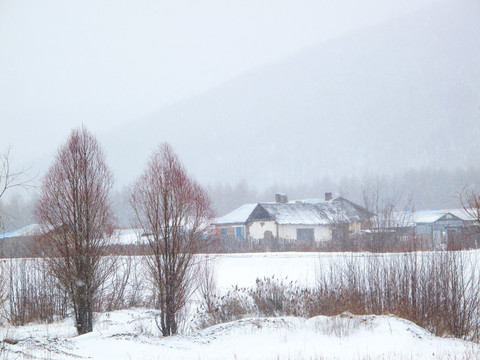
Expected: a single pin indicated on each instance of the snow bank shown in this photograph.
(132, 334)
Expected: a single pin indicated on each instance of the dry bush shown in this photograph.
(3, 282)
(235, 304)
(216, 309)
(33, 294)
(127, 286)
(112, 293)
(274, 297)
(269, 296)
(439, 291)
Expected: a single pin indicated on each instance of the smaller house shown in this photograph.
(301, 220)
(439, 227)
(234, 224)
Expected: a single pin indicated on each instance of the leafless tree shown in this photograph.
(471, 203)
(174, 211)
(390, 221)
(74, 210)
(10, 179)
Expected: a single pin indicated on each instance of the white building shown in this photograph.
(304, 220)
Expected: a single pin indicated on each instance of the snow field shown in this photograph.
(132, 333)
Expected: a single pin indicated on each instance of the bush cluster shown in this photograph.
(439, 291)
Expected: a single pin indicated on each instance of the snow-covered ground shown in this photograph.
(133, 334)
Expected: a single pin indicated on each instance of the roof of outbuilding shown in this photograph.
(409, 218)
(237, 216)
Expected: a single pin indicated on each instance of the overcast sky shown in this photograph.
(105, 63)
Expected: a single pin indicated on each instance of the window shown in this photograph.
(305, 234)
(224, 232)
(239, 232)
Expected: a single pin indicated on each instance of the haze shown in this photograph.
(270, 91)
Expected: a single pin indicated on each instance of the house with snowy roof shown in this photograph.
(440, 227)
(303, 220)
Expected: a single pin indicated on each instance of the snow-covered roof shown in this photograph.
(237, 216)
(28, 230)
(319, 212)
(430, 216)
(313, 201)
(294, 213)
(463, 214)
(304, 212)
(119, 236)
(126, 236)
(408, 218)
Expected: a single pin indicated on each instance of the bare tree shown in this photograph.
(74, 210)
(174, 211)
(471, 203)
(10, 179)
(391, 221)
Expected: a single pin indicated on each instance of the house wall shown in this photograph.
(439, 231)
(257, 229)
(355, 227)
(289, 232)
(237, 231)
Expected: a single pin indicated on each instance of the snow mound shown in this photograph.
(132, 334)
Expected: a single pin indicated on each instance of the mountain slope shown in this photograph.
(396, 96)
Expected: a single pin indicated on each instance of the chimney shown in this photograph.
(281, 198)
(328, 196)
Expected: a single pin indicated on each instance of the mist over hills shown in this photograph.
(397, 96)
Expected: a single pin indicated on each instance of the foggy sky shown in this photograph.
(106, 63)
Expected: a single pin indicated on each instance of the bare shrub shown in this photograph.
(33, 294)
(439, 291)
(235, 304)
(112, 292)
(274, 297)
(126, 286)
(3, 283)
(207, 284)
(214, 308)
(268, 296)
